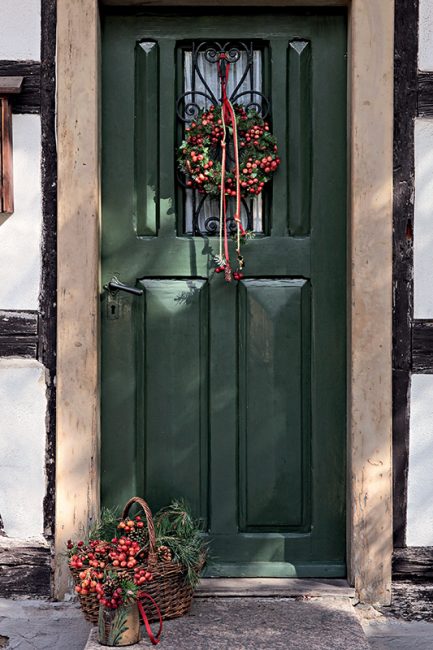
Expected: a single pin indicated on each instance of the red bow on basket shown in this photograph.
(155, 639)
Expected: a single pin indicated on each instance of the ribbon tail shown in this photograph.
(155, 639)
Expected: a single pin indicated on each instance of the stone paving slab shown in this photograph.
(259, 624)
(271, 587)
(399, 635)
(42, 625)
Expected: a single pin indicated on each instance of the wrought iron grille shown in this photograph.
(201, 90)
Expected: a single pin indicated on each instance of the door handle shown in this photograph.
(114, 285)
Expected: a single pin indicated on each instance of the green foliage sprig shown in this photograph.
(176, 529)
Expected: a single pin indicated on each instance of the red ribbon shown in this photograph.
(155, 639)
(229, 117)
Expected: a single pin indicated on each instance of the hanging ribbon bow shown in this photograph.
(228, 118)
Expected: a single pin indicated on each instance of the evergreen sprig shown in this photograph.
(106, 527)
(176, 528)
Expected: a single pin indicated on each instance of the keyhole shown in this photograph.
(113, 309)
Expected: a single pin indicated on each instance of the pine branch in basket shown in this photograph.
(177, 530)
(106, 527)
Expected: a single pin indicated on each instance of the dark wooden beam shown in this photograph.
(24, 570)
(425, 94)
(29, 99)
(413, 563)
(20, 323)
(422, 346)
(18, 334)
(48, 315)
(405, 110)
(18, 346)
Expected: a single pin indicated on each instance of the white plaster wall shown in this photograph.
(22, 446)
(423, 219)
(420, 478)
(20, 234)
(20, 29)
(425, 51)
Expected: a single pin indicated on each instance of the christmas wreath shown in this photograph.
(228, 151)
(199, 153)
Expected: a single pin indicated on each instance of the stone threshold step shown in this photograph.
(328, 623)
(273, 587)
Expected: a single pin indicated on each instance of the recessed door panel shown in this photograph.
(173, 392)
(274, 404)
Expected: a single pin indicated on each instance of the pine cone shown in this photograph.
(165, 553)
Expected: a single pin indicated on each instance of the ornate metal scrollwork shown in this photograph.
(201, 94)
(188, 104)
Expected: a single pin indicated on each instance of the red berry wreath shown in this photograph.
(199, 153)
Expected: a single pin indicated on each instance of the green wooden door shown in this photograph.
(230, 395)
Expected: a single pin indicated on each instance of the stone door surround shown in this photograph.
(369, 418)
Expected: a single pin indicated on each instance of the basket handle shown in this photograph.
(149, 521)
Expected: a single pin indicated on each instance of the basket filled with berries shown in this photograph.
(161, 556)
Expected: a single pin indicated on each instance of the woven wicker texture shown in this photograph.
(169, 586)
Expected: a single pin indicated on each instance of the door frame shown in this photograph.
(369, 282)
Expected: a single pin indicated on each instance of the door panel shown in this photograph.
(173, 381)
(274, 439)
(230, 395)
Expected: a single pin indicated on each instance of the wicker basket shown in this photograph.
(169, 586)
